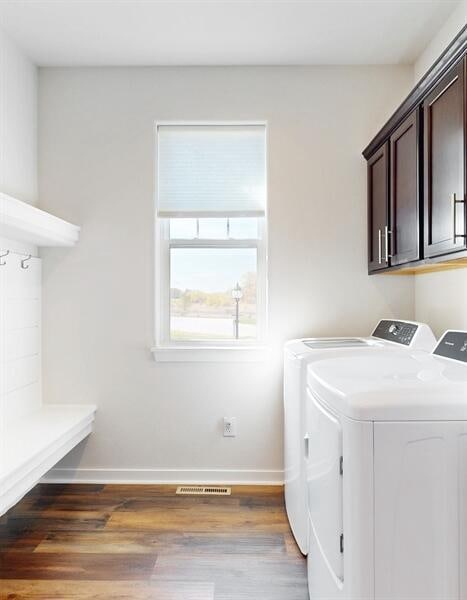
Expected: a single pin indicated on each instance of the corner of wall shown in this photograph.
(455, 22)
(18, 118)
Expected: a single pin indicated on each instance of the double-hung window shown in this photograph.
(211, 235)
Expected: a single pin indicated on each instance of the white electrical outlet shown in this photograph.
(230, 426)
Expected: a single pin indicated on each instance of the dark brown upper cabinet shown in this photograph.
(445, 164)
(404, 230)
(417, 173)
(378, 204)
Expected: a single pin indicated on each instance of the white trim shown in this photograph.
(162, 281)
(208, 214)
(205, 122)
(25, 223)
(210, 354)
(166, 476)
(220, 244)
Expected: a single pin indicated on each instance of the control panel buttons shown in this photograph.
(396, 331)
(453, 345)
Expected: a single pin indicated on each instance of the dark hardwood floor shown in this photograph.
(65, 542)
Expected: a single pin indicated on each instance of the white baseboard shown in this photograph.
(165, 476)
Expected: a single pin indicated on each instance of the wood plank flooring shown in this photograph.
(99, 542)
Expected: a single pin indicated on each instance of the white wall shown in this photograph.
(18, 123)
(441, 298)
(445, 35)
(96, 144)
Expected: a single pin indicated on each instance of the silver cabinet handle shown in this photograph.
(306, 439)
(387, 233)
(455, 202)
(379, 246)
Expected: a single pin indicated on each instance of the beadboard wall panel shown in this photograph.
(20, 332)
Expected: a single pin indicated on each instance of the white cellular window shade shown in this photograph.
(211, 170)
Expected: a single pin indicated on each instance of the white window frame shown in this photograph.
(166, 349)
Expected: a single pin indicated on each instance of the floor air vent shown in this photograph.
(196, 490)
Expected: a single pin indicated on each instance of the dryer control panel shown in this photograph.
(400, 332)
(453, 345)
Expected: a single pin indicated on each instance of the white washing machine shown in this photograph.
(387, 474)
(298, 354)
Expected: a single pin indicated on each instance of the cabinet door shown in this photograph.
(378, 195)
(404, 232)
(444, 165)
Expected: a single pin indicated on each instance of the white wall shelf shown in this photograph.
(35, 443)
(23, 222)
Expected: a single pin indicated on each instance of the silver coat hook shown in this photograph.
(3, 262)
(24, 261)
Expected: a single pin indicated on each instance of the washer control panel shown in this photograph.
(400, 332)
(453, 345)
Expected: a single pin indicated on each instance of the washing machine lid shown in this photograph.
(388, 332)
(332, 343)
(393, 386)
(313, 347)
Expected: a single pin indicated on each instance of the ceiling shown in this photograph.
(222, 32)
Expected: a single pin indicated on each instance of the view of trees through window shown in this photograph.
(213, 294)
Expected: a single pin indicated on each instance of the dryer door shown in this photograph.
(324, 482)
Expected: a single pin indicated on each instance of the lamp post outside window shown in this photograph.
(237, 296)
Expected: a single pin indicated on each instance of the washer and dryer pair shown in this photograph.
(298, 354)
(383, 462)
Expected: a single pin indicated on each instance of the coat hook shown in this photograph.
(3, 262)
(24, 261)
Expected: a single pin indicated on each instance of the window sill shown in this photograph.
(210, 353)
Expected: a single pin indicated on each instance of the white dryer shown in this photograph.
(298, 354)
(387, 474)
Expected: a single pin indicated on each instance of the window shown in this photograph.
(211, 236)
